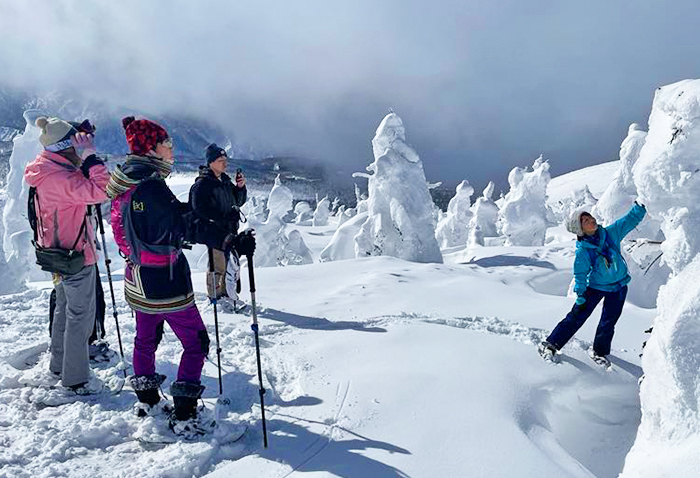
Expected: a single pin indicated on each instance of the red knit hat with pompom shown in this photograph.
(143, 135)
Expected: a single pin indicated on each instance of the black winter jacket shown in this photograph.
(159, 218)
(217, 200)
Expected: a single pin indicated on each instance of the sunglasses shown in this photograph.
(168, 143)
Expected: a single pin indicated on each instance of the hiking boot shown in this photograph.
(185, 396)
(146, 389)
(239, 306)
(100, 352)
(548, 351)
(601, 360)
(92, 387)
(227, 305)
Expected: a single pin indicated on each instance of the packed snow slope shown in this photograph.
(374, 367)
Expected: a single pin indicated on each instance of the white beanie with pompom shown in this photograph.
(55, 133)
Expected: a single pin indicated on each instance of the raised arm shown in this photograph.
(628, 222)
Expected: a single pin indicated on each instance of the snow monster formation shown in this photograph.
(484, 219)
(400, 220)
(275, 245)
(667, 180)
(522, 219)
(17, 235)
(452, 229)
(622, 191)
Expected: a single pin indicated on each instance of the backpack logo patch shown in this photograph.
(138, 206)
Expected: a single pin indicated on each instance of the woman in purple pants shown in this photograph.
(150, 226)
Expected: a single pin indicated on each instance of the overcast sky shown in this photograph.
(482, 85)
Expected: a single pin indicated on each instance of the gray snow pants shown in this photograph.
(72, 324)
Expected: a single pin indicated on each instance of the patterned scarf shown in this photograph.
(120, 182)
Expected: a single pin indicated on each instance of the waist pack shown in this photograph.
(61, 261)
(53, 259)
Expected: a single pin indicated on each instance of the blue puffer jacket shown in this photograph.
(599, 263)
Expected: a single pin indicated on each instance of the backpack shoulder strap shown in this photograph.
(31, 211)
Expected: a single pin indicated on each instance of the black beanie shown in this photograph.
(214, 152)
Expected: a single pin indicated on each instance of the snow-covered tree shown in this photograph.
(340, 216)
(667, 180)
(254, 209)
(5, 272)
(322, 212)
(17, 235)
(303, 213)
(580, 198)
(272, 242)
(621, 192)
(296, 251)
(335, 205)
(484, 218)
(400, 208)
(522, 219)
(361, 199)
(342, 244)
(452, 230)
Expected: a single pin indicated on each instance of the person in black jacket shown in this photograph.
(216, 199)
(151, 227)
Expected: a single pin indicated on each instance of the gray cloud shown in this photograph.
(482, 86)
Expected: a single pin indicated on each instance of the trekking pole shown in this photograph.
(213, 299)
(108, 261)
(257, 343)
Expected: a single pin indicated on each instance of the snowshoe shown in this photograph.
(548, 352)
(239, 306)
(227, 305)
(601, 360)
(101, 353)
(154, 431)
(57, 395)
(162, 408)
(191, 428)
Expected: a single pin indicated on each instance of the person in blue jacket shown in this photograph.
(600, 273)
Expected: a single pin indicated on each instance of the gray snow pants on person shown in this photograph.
(72, 324)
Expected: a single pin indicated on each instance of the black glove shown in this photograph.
(89, 162)
(245, 243)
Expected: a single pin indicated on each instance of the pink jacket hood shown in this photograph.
(63, 194)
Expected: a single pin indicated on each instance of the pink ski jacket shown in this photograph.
(63, 194)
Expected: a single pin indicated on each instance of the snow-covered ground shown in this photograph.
(375, 367)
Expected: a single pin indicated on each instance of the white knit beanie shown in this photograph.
(55, 133)
(573, 225)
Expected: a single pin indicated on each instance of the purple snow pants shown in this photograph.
(189, 328)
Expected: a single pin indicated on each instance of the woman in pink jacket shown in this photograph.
(69, 177)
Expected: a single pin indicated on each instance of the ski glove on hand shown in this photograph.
(89, 162)
(84, 147)
(245, 243)
(580, 300)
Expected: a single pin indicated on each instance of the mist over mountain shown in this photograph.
(191, 135)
